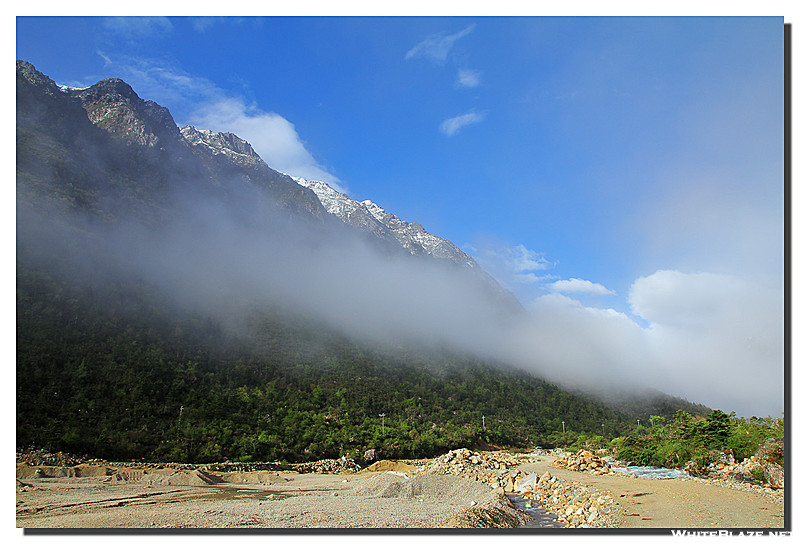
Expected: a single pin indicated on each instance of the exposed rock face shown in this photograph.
(26, 71)
(108, 153)
(113, 105)
(764, 467)
(370, 217)
(223, 143)
(351, 212)
(416, 239)
(771, 451)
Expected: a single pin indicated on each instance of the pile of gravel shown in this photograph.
(475, 504)
(446, 488)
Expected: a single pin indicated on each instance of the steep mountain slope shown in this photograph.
(145, 163)
(160, 268)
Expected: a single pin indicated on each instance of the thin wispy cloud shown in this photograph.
(132, 28)
(106, 59)
(524, 260)
(512, 265)
(579, 286)
(437, 47)
(453, 125)
(202, 24)
(468, 78)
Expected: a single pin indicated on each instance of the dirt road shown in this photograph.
(659, 504)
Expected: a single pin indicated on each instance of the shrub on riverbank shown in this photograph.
(685, 439)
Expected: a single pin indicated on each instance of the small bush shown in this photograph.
(638, 450)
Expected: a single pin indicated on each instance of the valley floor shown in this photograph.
(289, 500)
(131, 498)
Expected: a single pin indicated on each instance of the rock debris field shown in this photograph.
(460, 489)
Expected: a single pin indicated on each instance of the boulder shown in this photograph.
(771, 451)
(527, 483)
(770, 457)
(370, 456)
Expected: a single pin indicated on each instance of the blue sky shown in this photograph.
(623, 167)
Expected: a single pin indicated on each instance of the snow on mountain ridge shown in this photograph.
(411, 235)
(222, 143)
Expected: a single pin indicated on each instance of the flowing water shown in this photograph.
(652, 472)
(539, 517)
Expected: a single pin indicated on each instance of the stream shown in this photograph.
(539, 517)
(652, 472)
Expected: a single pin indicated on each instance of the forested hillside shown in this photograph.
(158, 318)
(116, 375)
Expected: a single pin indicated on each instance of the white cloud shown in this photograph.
(712, 338)
(437, 47)
(273, 137)
(718, 337)
(468, 78)
(592, 349)
(454, 125)
(575, 285)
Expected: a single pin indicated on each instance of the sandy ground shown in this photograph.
(667, 504)
(166, 499)
(101, 497)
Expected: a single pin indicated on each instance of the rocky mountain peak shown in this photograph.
(113, 105)
(223, 143)
(110, 90)
(28, 73)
